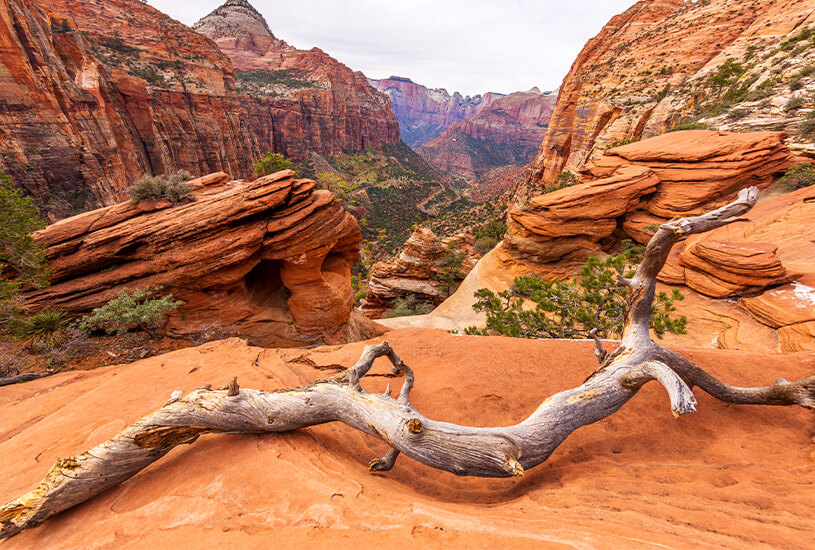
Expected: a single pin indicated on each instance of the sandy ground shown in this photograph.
(726, 476)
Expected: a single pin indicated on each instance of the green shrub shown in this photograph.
(799, 176)
(689, 125)
(451, 268)
(572, 309)
(173, 188)
(807, 127)
(46, 329)
(489, 235)
(22, 259)
(738, 114)
(407, 306)
(794, 104)
(271, 163)
(131, 309)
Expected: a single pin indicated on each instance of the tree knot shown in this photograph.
(415, 426)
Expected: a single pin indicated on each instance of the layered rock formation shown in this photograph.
(424, 113)
(506, 132)
(633, 188)
(649, 69)
(304, 99)
(95, 93)
(622, 482)
(272, 257)
(416, 271)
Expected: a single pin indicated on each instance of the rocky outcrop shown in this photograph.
(747, 470)
(272, 257)
(648, 70)
(304, 99)
(633, 188)
(424, 113)
(416, 271)
(95, 93)
(766, 262)
(508, 131)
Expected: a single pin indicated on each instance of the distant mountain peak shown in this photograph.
(238, 19)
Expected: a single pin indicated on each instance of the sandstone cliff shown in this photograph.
(95, 93)
(272, 257)
(727, 64)
(507, 132)
(424, 113)
(305, 99)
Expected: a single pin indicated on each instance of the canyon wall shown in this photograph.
(508, 131)
(93, 94)
(650, 69)
(425, 113)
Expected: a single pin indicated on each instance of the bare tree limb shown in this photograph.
(462, 450)
(22, 378)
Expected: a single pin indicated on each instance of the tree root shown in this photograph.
(462, 450)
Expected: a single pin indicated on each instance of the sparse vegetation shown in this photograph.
(535, 308)
(794, 104)
(170, 187)
(271, 163)
(22, 259)
(407, 306)
(131, 309)
(46, 329)
(451, 272)
(807, 127)
(689, 125)
(799, 176)
(489, 235)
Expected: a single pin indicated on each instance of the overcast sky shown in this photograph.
(470, 46)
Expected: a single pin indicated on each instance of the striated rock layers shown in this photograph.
(304, 100)
(637, 186)
(506, 132)
(272, 257)
(95, 93)
(416, 271)
(648, 70)
(424, 113)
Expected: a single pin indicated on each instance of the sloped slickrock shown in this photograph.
(415, 271)
(272, 257)
(724, 477)
(646, 71)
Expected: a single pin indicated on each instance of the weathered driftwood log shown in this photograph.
(20, 378)
(494, 452)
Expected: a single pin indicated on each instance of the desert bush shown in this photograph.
(131, 309)
(22, 259)
(738, 114)
(172, 187)
(407, 306)
(201, 333)
(45, 329)
(794, 104)
(799, 176)
(451, 264)
(534, 308)
(489, 235)
(271, 163)
(689, 125)
(807, 127)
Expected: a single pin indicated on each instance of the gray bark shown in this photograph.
(489, 452)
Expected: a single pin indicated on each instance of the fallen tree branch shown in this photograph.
(27, 377)
(462, 450)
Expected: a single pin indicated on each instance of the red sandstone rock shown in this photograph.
(614, 484)
(272, 257)
(506, 132)
(415, 271)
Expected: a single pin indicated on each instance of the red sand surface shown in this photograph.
(726, 476)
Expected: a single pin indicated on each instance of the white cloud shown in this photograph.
(471, 46)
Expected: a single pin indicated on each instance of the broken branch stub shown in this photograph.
(463, 450)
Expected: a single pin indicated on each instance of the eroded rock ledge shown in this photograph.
(271, 256)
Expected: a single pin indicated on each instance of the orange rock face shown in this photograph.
(93, 94)
(415, 271)
(508, 131)
(620, 483)
(645, 72)
(272, 257)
